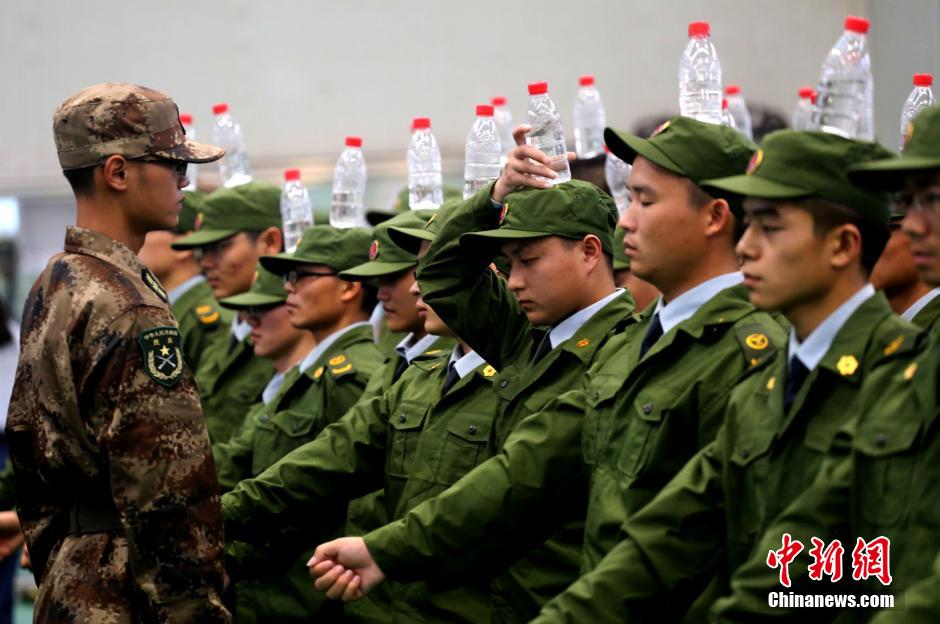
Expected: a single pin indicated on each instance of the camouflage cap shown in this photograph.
(193, 202)
(401, 204)
(254, 206)
(792, 165)
(115, 118)
(339, 249)
(689, 148)
(921, 153)
(267, 289)
(385, 256)
(571, 210)
(621, 259)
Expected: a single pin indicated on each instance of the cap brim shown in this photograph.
(889, 174)
(201, 238)
(192, 151)
(281, 263)
(493, 239)
(248, 299)
(409, 239)
(375, 217)
(376, 269)
(755, 186)
(627, 147)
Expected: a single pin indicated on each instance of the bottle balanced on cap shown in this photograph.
(483, 152)
(548, 133)
(503, 117)
(296, 209)
(700, 76)
(844, 103)
(425, 186)
(589, 120)
(919, 99)
(227, 134)
(349, 186)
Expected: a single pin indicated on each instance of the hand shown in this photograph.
(344, 569)
(11, 537)
(25, 563)
(525, 166)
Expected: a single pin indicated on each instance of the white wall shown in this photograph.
(300, 75)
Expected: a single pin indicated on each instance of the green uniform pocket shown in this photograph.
(404, 432)
(649, 410)
(885, 461)
(468, 435)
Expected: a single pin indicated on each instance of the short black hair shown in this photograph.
(81, 180)
(370, 297)
(698, 197)
(828, 215)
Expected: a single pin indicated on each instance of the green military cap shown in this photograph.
(386, 257)
(621, 259)
(792, 165)
(254, 206)
(409, 238)
(193, 202)
(339, 249)
(921, 153)
(693, 149)
(401, 204)
(571, 210)
(267, 289)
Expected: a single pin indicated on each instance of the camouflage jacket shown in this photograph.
(109, 449)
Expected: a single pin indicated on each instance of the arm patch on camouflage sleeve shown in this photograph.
(162, 355)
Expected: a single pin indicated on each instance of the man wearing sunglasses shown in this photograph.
(328, 381)
(116, 488)
(235, 228)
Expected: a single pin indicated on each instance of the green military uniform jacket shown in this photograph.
(202, 321)
(307, 402)
(230, 381)
(886, 487)
(411, 441)
(929, 316)
(453, 281)
(708, 519)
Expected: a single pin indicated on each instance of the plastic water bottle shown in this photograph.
(547, 133)
(349, 186)
(296, 210)
(726, 118)
(738, 110)
(187, 120)
(226, 133)
(844, 103)
(503, 118)
(425, 187)
(617, 173)
(700, 76)
(919, 99)
(589, 120)
(803, 111)
(481, 158)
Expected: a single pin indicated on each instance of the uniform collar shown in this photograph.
(410, 349)
(812, 350)
(271, 390)
(240, 329)
(568, 327)
(688, 303)
(920, 304)
(327, 342)
(175, 294)
(465, 363)
(91, 243)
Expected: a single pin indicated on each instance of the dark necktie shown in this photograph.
(798, 374)
(402, 365)
(544, 347)
(234, 344)
(653, 333)
(452, 377)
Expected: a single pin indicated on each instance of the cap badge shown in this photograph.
(198, 223)
(374, 250)
(503, 213)
(583, 343)
(755, 162)
(758, 342)
(660, 128)
(489, 371)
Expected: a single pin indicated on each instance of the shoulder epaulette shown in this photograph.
(340, 366)
(755, 343)
(207, 315)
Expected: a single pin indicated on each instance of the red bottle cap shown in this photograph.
(220, 108)
(186, 119)
(499, 100)
(484, 110)
(586, 80)
(421, 123)
(291, 175)
(732, 89)
(699, 29)
(806, 92)
(353, 141)
(856, 24)
(724, 104)
(538, 88)
(923, 80)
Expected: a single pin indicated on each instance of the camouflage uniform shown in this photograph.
(109, 450)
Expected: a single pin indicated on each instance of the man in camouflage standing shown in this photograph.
(117, 492)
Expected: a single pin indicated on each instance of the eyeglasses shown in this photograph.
(260, 311)
(295, 275)
(918, 202)
(177, 166)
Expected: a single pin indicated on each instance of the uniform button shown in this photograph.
(472, 429)
(264, 418)
(503, 383)
(880, 440)
(745, 453)
(296, 427)
(597, 394)
(648, 409)
(402, 418)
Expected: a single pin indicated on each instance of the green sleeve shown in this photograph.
(345, 461)
(233, 457)
(672, 549)
(501, 509)
(476, 304)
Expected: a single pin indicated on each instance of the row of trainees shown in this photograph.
(566, 433)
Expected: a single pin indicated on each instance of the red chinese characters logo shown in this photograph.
(869, 559)
(872, 559)
(784, 557)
